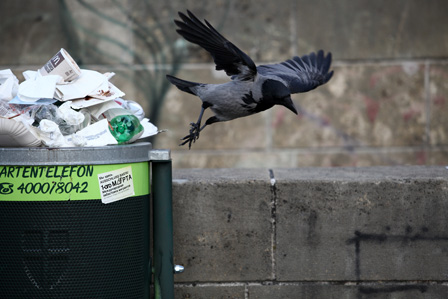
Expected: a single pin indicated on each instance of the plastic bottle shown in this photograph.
(123, 125)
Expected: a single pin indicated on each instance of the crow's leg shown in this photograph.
(196, 129)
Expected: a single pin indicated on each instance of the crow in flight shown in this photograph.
(252, 88)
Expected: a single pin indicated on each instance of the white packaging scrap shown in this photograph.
(61, 105)
(9, 85)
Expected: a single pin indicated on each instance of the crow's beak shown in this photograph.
(288, 103)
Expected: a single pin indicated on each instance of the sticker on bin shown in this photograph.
(116, 185)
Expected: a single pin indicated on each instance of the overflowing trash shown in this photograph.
(61, 105)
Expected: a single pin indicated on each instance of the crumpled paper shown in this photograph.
(50, 134)
(88, 84)
(71, 116)
(37, 87)
(9, 84)
(45, 109)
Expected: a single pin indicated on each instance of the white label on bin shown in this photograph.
(115, 185)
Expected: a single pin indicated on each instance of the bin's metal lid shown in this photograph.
(113, 154)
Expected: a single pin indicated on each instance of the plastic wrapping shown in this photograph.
(68, 120)
(132, 106)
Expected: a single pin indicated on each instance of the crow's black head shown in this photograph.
(277, 93)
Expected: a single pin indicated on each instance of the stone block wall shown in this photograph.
(386, 104)
(376, 232)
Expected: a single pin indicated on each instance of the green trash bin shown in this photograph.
(75, 222)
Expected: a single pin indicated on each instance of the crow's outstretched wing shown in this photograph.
(301, 74)
(226, 55)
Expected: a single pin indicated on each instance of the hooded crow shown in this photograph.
(252, 89)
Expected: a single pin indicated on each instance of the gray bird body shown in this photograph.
(217, 95)
(252, 89)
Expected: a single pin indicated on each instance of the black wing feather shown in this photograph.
(301, 74)
(226, 55)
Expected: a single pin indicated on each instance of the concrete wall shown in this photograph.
(349, 233)
(386, 104)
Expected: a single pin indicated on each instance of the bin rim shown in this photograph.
(42, 156)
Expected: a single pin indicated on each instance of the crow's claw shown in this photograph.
(193, 136)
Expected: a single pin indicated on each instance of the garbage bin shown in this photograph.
(75, 222)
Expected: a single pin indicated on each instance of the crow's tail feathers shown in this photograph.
(183, 84)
